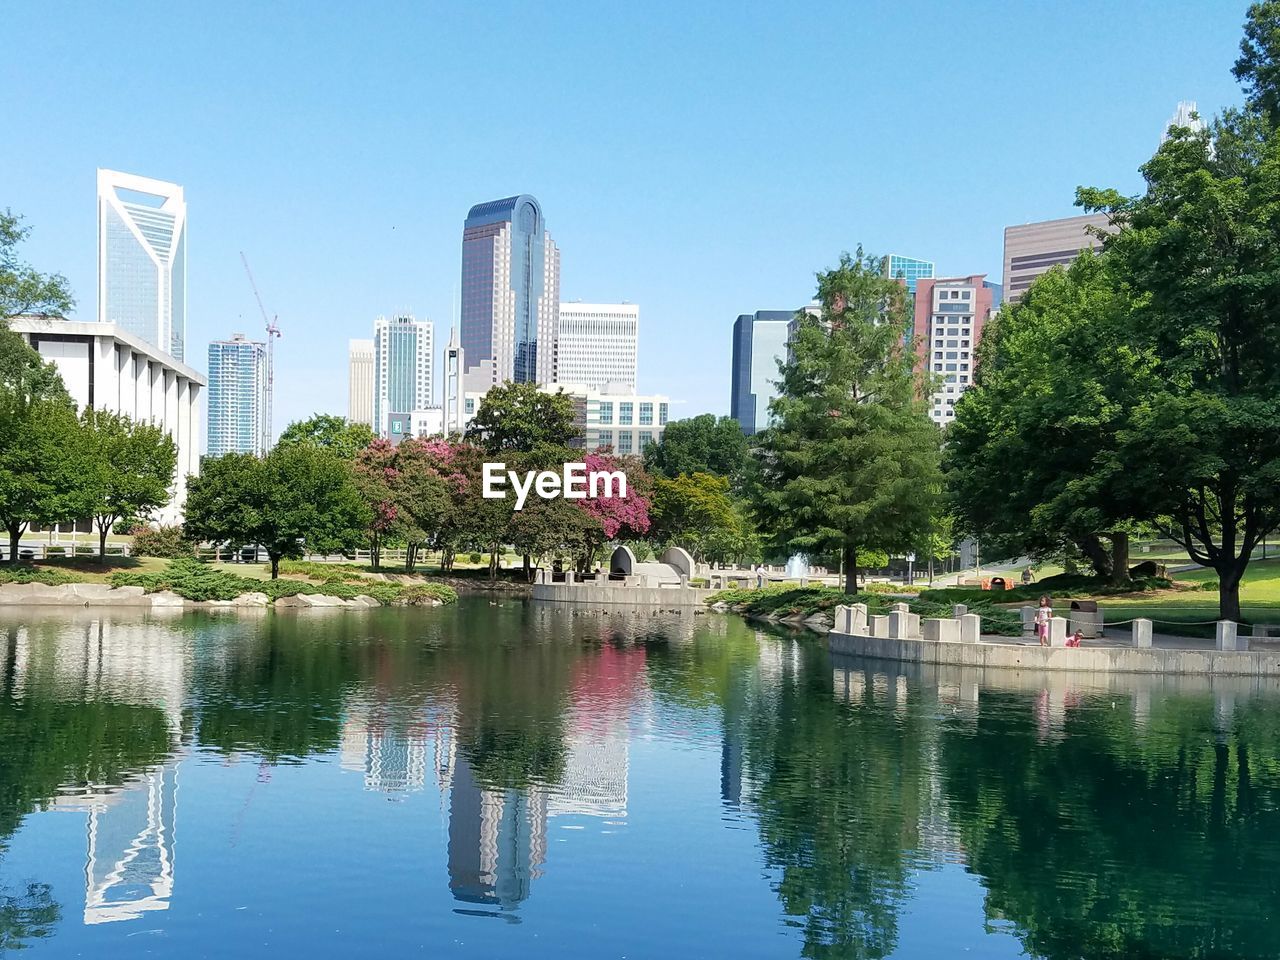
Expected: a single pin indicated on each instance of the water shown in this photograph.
(515, 780)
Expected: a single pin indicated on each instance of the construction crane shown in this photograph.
(273, 331)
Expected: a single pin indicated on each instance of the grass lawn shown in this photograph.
(90, 570)
(1259, 599)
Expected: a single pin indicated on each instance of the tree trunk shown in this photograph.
(410, 552)
(15, 535)
(1229, 591)
(528, 571)
(102, 542)
(1119, 556)
(850, 568)
(275, 564)
(375, 551)
(1096, 554)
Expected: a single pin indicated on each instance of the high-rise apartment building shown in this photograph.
(237, 401)
(360, 381)
(510, 293)
(1031, 249)
(907, 269)
(403, 357)
(949, 316)
(596, 345)
(759, 343)
(142, 259)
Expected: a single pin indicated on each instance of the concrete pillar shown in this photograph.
(959, 610)
(858, 618)
(1028, 621)
(1228, 636)
(684, 581)
(568, 578)
(898, 625)
(941, 629)
(1141, 633)
(899, 608)
(880, 626)
(1058, 632)
(913, 624)
(970, 628)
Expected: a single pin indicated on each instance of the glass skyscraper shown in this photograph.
(237, 396)
(142, 259)
(759, 342)
(403, 364)
(510, 293)
(907, 269)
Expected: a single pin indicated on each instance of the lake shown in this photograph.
(511, 779)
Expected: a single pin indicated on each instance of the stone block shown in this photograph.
(970, 628)
(1228, 636)
(959, 610)
(1141, 633)
(1028, 621)
(858, 618)
(913, 624)
(941, 629)
(253, 599)
(167, 598)
(879, 627)
(288, 602)
(367, 601)
(1058, 632)
(898, 625)
(899, 608)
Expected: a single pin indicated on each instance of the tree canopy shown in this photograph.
(701, 444)
(520, 417)
(330, 432)
(23, 289)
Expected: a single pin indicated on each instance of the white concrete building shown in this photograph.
(360, 381)
(624, 422)
(107, 368)
(142, 259)
(596, 345)
(403, 367)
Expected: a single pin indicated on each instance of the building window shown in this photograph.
(624, 414)
(662, 414)
(646, 438)
(606, 411)
(606, 438)
(646, 417)
(624, 440)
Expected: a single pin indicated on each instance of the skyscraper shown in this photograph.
(907, 269)
(510, 293)
(759, 342)
(142, 259)
(1184, 115)
(360, 381)
(403, 356)
(1031, 249)
(238, 397)
(596, 345)
(949, 316)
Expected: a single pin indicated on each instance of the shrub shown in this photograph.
(1210, 585)
(25, 574)
(167, 542)
(474, 557)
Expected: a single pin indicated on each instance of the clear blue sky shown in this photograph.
(700, 159)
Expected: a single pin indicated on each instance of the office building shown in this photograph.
(596, 345)
(108, 368)
(759, 344)
(907, 269)
(510, 293)
(142, 259)
(454, 385)
(626, 423)
(360, 381)
(1184, 115)
(238, 397)
(1031, 249)
(950, 314)
(403, 358)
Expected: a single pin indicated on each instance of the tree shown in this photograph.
(129, 468)
(1200, 249)
(851, 462)
(1258, 66)
(40, 475)
(1029, 458)
(297, 497)
(520, 417)
(619, 517)
(701, 444)
(329, 432)
(23, 290)
(695, 511)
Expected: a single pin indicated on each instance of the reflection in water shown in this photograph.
(1111, 817)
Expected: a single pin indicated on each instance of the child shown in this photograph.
(1043, 616)
(1075, 638)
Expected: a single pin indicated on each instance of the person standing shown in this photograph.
(1043, 616)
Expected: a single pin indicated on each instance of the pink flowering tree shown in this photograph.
(619, 517)
(376, 476)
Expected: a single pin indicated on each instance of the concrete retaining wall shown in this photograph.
(590, 593)
(1011, 656)
(104, 595)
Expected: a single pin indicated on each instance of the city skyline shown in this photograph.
(631, 223)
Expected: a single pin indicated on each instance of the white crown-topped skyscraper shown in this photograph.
(142, 259)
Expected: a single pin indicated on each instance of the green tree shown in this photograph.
(1200, 248)
(851, 463)
(129, 468)
(1030, 464)
(23, 290)
(330, 432)
(520, 417)
(299, 497)
(695, 511)
(1258, 66)
(41, 475)
(701, 444)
